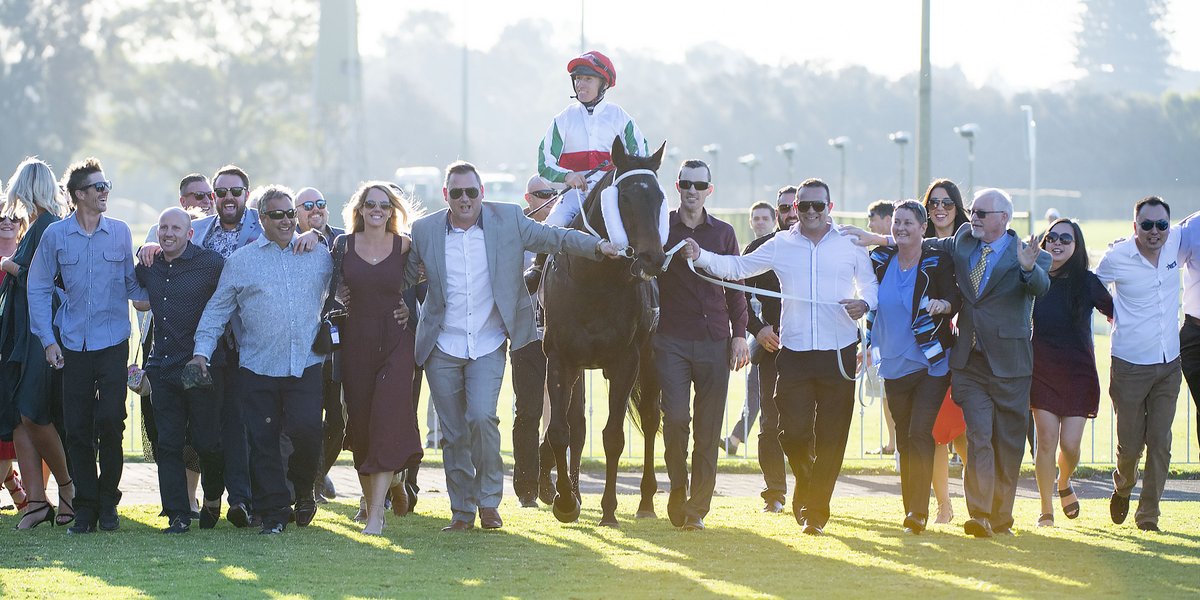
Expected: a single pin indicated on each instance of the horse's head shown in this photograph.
(640, 199)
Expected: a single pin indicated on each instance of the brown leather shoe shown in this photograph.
(489, 518)
(457, 525)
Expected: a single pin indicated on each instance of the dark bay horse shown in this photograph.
(599, 315)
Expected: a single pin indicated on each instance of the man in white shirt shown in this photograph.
(474, 253)
(818, 338)
(1189, 334)
(1144, 384)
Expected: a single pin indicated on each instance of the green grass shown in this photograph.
(744, 554)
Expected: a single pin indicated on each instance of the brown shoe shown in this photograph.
(457, 525)
(489, 518)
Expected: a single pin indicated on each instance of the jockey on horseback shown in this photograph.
(580, 137)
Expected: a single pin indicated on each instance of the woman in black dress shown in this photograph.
(27, 402)
(1066, 390)
(377, 352)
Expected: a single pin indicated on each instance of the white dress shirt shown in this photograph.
(473, 327)
(1189, 256)
(1145, 328)
(831, 270)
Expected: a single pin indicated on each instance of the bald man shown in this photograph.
(312, 214)
(180, 283)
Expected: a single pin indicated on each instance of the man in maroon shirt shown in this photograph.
(701, 337)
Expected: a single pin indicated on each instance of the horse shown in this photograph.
(600, 315)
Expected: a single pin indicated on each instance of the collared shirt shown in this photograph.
(97, 274)
(179, 290)
(768, 313)
(473, 327)
(278, 295)
(833, 269)
(223, 241)
(694, 309)
(898, 351)
(1189, 256)
(1145, 328)
(998, 248)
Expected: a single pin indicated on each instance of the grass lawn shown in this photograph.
(744, 553)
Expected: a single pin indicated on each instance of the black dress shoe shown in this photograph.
(209, 515)
(1148, 526)
(82, 526)
(272, 528)
(305, 511)
(812, 529)
(979, 528)
(239, 515)
(914, 523)
(109, 521)
(675, 506)
(693, 524)
(179, 525)
(1118, 508)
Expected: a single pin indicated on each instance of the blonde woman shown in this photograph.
(31, 387)
(377, 352)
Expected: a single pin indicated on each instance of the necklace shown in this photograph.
(912, 263)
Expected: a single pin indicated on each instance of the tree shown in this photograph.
(1121, 47)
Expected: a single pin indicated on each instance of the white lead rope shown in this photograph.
(858, 373)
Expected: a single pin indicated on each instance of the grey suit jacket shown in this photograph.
(251, 228)
(507, 233)
(1000, 316)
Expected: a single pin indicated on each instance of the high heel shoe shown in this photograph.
(13, 484)
(371, 512)
(399, 493)
(63, 520)
(47, 515)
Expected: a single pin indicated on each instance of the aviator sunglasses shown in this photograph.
(313, 204)
(1062, 238)
(456, 193)
(1161, 224)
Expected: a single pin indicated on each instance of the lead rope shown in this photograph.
(858, 373)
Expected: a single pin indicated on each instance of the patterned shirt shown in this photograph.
(178, 291)
(278, 296)
(97, 275)
(223, 241)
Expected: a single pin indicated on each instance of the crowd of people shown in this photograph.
(274, 340)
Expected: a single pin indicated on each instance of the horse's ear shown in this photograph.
(656, 158)
(619, 158)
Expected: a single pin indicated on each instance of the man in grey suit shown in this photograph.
(474, 256)
(992, 365)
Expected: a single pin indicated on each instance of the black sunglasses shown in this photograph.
(1161, 224)
(936, 202)
(1062, 238)
(281, 214)
(456, 193)
(805, 205)
(11, 218)
(786, 207)
(979, 213)
(544, 194)
(372, 205)
(99, 186)
(700, 186)
(313, 204)
(236, 191)
(200, 196)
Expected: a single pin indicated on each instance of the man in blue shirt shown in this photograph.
(94, 256)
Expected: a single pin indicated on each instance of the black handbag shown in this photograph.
(328, 338)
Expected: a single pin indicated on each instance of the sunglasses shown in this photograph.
(200, 196)
(456, 193)
(786, 207)
(1162, 225)
(699, 185)
(979, 213)
(99, 186)
(313, 204)
(276, 215)
(936, 202)
(805, 205)
(372, 204)
(1062, 238)
(236, 191)
(10, 218)
(543, 194)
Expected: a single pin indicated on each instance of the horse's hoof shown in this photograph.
(645, 514)
(610, 522)
(566, 509)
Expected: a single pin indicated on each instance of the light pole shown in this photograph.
(787, 150)
(900, 138)
(1031, 150)
(713, 150)
(839, 143)
(750, 161)
(968, 132)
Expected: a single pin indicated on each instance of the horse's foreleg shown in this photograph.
(620, 384)
(559, 381)
(650, 414)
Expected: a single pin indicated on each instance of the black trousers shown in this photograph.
(915, 400)
(234, 442)
(529, 386)
(94, 414)
(1189, 359)
(274, 405)
(334, 432)
(816, 405)
(770, 454)
(181, 415)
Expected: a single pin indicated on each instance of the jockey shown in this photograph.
(581, 136)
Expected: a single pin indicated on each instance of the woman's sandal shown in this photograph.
(13, 484)
(1070, 509)
(1046, 520)
(65, 519)
(47, 515)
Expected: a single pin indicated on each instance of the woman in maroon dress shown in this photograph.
(377, 352)
(1065, 392)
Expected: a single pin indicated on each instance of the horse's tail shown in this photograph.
(645, 401)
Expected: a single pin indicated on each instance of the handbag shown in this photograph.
(136, 378)
(328, 338)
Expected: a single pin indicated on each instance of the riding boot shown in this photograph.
(533, 275)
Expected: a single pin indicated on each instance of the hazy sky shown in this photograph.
(1017, 44)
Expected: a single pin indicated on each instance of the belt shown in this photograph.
(1193, 320)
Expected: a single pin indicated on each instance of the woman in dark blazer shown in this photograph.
(911, 328)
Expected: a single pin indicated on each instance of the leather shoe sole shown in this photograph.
(459, 526)
(1118, 508)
